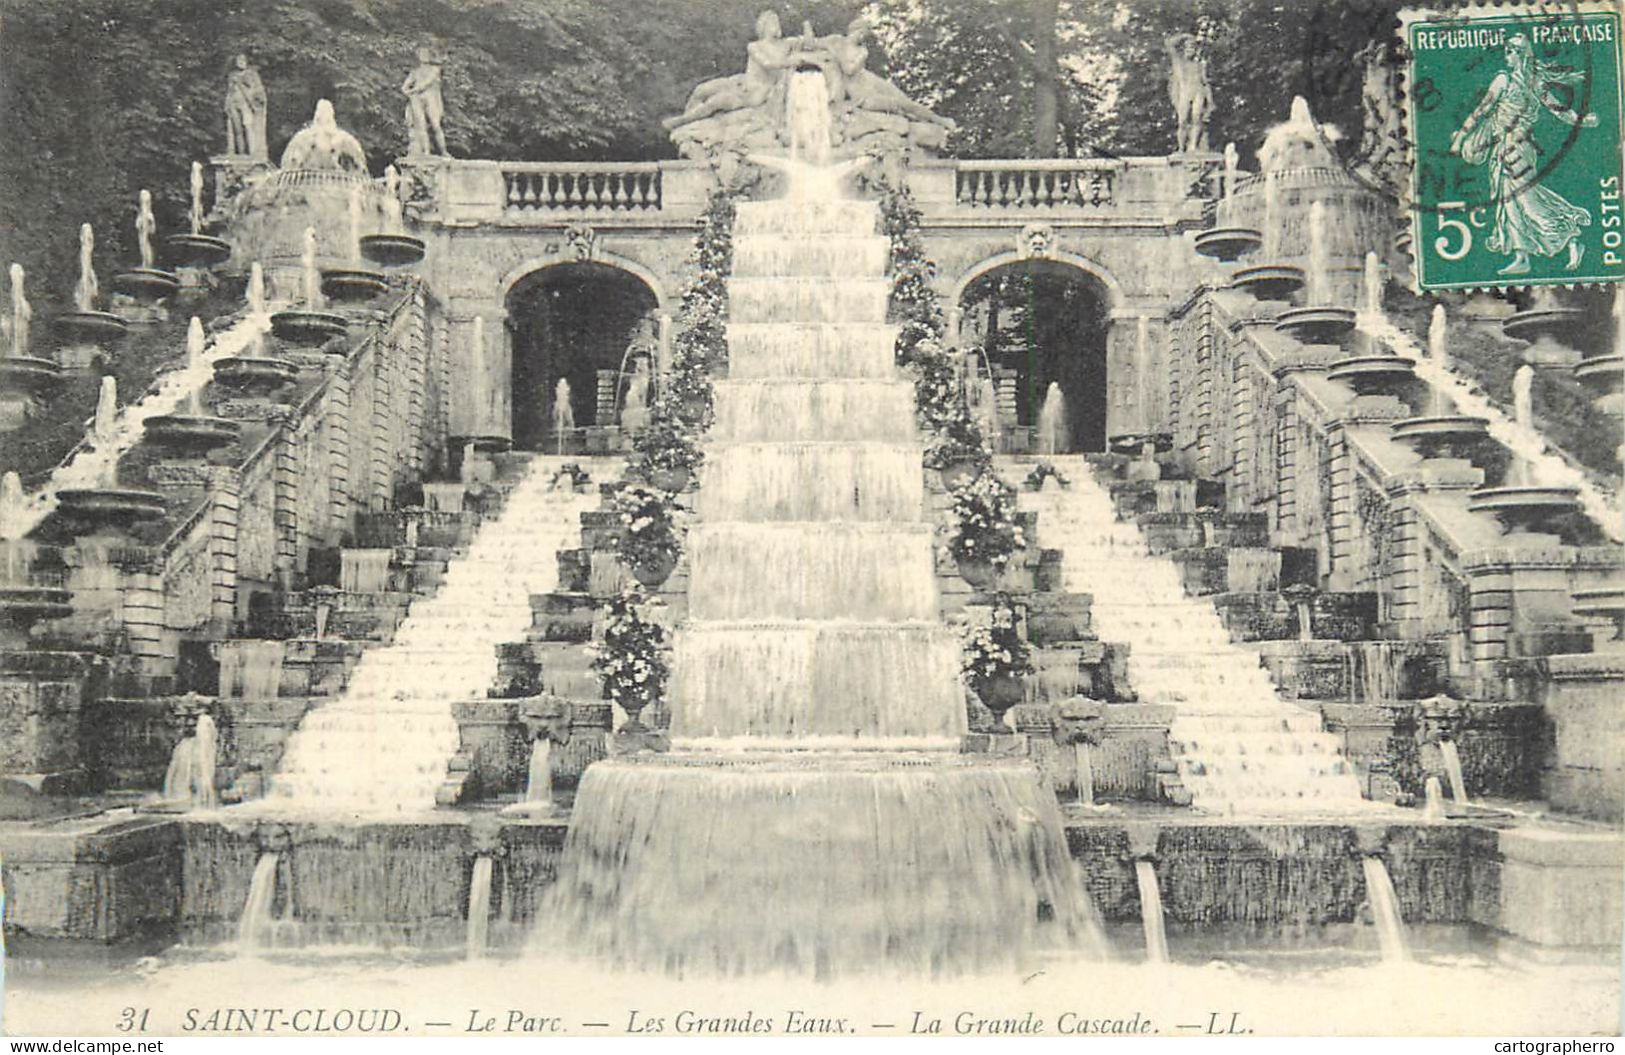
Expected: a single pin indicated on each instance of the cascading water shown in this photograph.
(479, 907)
(1452, 769)
(384, 745)
(539, 777)
(190, 776)
(564, 418)
(1151, 921)
(1052, 425)
(254, 928)
(1239, 746)
(816, 707)
(1384, 902)
(364, 570)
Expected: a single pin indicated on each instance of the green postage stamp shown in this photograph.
(1515, 138)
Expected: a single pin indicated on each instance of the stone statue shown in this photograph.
(245, 111)
(767, 58)
(22, 312)
(857, 87)
(323, 145)
(145, 225)
(425, 107)
(635, 414)
(747, 113)
(1189, 92)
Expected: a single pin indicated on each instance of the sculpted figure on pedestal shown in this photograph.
(1189, 92)
(425, 107)
(245, 111)
(729, 117)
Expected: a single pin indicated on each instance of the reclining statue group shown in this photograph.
(745, 111)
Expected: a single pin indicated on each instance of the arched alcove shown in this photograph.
(1039, 321)
(572, 321)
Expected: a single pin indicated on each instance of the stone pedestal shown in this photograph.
(1561, 888)
(41, 695)
(1582, 694)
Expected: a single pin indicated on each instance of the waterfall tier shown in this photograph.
(872, 572)
(1239, 746)
(841, 411)
(783, 350)
(817, 679)
(773, 255)
(929, 864)
(383, 746)
(812, 481)
(804, 300)
(842, 218)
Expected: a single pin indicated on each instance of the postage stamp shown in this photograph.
(1515, 129)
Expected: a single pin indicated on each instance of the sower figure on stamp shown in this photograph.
(1529, 218)
(425, 107)
(1189, 92)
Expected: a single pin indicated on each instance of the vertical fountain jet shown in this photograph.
(817, 713)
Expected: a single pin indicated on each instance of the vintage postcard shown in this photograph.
(902, 518)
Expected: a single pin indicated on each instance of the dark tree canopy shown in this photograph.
(104, 97)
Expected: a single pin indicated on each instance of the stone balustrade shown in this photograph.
(581, 187)
(1036, 184)
(674, 193)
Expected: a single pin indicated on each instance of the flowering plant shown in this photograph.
(986, 528)
(701, 343)
(1043, 471)
(630, 659)
(650, 536)
(667, 442)
(995, 650)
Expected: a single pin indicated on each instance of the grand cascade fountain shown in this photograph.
(304, 643)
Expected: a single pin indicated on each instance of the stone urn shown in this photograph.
(670, 480)
(958, 473)
(653, 573)
(999, 694)
(981, 574)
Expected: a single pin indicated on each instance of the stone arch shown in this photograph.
(575, 319)
(1044, 325)
(529, 268)
(1116, 295)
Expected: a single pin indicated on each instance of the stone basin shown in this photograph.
(353, 285)
(27, 373)
(90, 327)
(147, 284)
(1131, 443)
(487, 444)
(392, 250)
(1524, 507)
(256, 375)
(198, 250)
(1268, 281)
(117, 507)
(308, 327)
(1322, 324)
(1228, 243)
(191, 434)
(1603, 602)
(1442, 436)
(1570, 327)
(23, 606)
(1602, 373)
(1373, 375)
